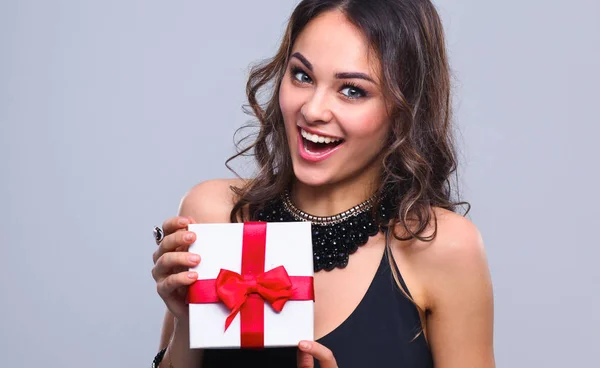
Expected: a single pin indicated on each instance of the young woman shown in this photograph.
(357, 134)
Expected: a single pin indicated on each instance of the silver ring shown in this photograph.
(159, 234)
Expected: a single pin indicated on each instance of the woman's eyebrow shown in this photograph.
(345, 75)
(303, 60)
(354, 76)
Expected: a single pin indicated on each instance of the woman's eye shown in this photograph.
(302, 77)
(353, 92)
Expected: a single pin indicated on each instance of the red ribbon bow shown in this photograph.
(233, 289)
(247, 292)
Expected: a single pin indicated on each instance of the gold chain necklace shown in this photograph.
(327, 220)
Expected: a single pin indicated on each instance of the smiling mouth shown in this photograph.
(316, 144)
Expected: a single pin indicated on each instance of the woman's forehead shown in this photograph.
(331, 43)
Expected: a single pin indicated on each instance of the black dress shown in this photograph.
(380, 332)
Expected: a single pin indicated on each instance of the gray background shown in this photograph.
(111, 110)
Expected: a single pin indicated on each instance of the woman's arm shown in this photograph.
(167, 330)
(208, 202)
(460, 323)
(175, 336)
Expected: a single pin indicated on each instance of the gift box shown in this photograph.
(254, 287)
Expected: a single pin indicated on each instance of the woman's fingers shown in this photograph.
(175, 223)
(178, 239)
(173, 239)
(312, 349)
(305, 360)
(169, 284)
(173, 242)
(170, 261)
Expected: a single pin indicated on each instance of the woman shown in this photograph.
(359, 118)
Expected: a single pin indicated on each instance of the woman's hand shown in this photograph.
(310, 350)
(171, 263)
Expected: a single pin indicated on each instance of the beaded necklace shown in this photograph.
(336, 237)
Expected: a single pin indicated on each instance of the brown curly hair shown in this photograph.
(419, 159)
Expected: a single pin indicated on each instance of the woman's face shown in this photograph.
(334, 111)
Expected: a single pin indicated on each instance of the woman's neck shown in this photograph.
(329, 200)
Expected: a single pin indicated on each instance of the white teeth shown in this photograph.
(317, 138)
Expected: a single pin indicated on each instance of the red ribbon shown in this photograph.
(247, 293)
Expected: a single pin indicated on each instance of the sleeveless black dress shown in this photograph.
(380, 333)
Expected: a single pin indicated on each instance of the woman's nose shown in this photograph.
(317, 110)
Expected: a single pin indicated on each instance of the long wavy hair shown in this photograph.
(419, 159)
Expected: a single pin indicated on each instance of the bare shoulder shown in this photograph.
(456, 260)
(211, 200)
(457, 242)
(452, 282)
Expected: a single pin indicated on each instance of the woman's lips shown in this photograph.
(312, 156)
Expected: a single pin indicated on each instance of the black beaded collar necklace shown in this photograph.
(334, 238)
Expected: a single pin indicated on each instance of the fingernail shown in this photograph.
(188, 237)
(194, 258)
(192, 275)
(183, 221)
(304, 345)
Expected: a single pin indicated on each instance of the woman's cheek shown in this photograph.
(361, 123)
(288, 101)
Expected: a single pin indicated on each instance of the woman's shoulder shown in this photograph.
(453, 234)
(454, 261)
(457, 245)
(456, 234)
(211, 201)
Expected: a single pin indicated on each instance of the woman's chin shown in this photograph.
(312, 178)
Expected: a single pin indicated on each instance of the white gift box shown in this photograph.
(287, 244)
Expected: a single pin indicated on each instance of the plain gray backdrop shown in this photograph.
(111, 110)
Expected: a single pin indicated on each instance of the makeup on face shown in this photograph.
(314, 146)
(332, 104)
